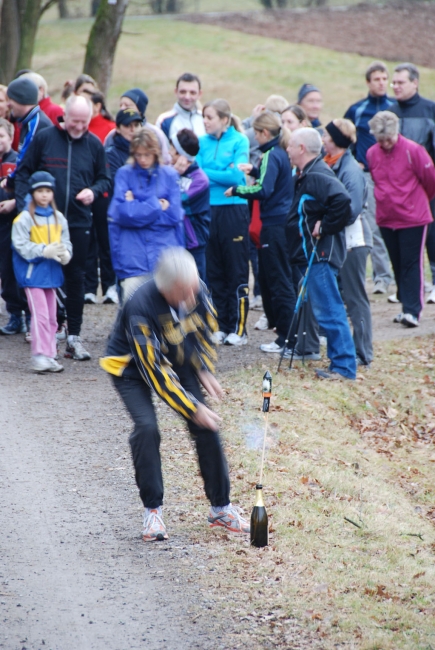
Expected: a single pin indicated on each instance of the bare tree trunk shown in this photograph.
(63, 9)
(29, 27)
(10, 38)
(100, 50)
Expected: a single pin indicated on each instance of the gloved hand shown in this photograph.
(53, 251)
(65, 257)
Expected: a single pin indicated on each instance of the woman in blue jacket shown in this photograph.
(222, 149)
(145, 214)
(274, 190)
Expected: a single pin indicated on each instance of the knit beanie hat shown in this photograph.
(41, 179)
(139, 98)
(305, 90)
(23, 91)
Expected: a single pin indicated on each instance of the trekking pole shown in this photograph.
(297, 306)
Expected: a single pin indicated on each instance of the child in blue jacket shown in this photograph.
(41, 244)
(195, 195)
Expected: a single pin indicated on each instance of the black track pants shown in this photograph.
(228, 266)
(145, 443)
(74, 273)
(13, 296)
(99, 249)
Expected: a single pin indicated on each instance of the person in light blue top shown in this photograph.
(222, 150)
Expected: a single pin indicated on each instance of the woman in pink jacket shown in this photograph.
(404, 178)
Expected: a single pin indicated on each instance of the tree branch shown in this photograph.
(47, 6)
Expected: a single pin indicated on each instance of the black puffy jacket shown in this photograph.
(75, 164)
(319, 196)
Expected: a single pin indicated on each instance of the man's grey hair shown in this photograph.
(175, 266)
(310, 138)
(38, 80)
(410, 68)
(384, 124)
(77, 99)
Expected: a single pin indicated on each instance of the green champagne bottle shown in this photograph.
(259, 525)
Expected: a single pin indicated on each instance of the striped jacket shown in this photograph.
(150, 340)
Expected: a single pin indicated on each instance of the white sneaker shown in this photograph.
(90, 299)
(262, 323)
(111, 297)
(153, 527)
(41, 363)
(393, 298)
(270, 347)
(428, 286)
(256, 303)
(431, 296)
(235, 339)
(219, 337)
(54, 366)
(323, 341)
(75, 349)
(380, 287)
(62, 332)
(408, 320)
(398, 318)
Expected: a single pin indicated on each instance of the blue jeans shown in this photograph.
(329, 311)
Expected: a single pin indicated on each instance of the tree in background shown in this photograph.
(102, 42)
(272, 4)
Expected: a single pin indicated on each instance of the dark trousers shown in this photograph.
(264, 289)
(99, 249)
(353, 291)
(430, 242)
(228, 266)
(308, 330)
(13, 296)
(74, 273)
(253, 258)
(198, 254)
(145, 443)
(278, 277)
(406, 250)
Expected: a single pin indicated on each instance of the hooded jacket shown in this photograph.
(318, 196)
(360, 114)
(178, 118)
(404, 180)
(76, 164)
(28, 242)
(219, 158)
(117, 153)
(417, 121)
(274, 186)
(139, 230)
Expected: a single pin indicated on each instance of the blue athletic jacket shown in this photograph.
(219, 159)
(139, 230)
(274, 186)
(360, 114)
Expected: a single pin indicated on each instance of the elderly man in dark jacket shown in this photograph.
(77, 160)
(320, 211)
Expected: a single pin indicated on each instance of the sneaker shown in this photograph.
(398, 318)
(256, 303)
(326, 374)
(393, 298)
(16, 325)
(230, 519)
(431, 296)
(271, 347)
(90, 299)
(428, 286)
(361, 364)
(262, 323)
(54, 366)
(408, 320)
(308, 356)
(235, 339)
(41, 363)
(219, 337)
(153, 527)
(380, 287)
(323, 341)
(111, 297)
(28, 337)
(75, 349)
(62, 332)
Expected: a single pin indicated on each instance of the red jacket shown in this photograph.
(404, 180)
(52, 110)
(101, 127)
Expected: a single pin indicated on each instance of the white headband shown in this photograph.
(179, 148)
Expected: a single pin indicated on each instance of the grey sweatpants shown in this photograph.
(380, 260)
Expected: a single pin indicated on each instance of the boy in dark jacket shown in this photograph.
(320, 211)
(195, 195)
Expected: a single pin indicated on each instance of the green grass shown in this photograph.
(242, 68)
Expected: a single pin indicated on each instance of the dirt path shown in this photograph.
(394, 32)
(75, 573)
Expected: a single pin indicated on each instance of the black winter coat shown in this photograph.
(417, 121)
(75, 164)
(319, 196)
